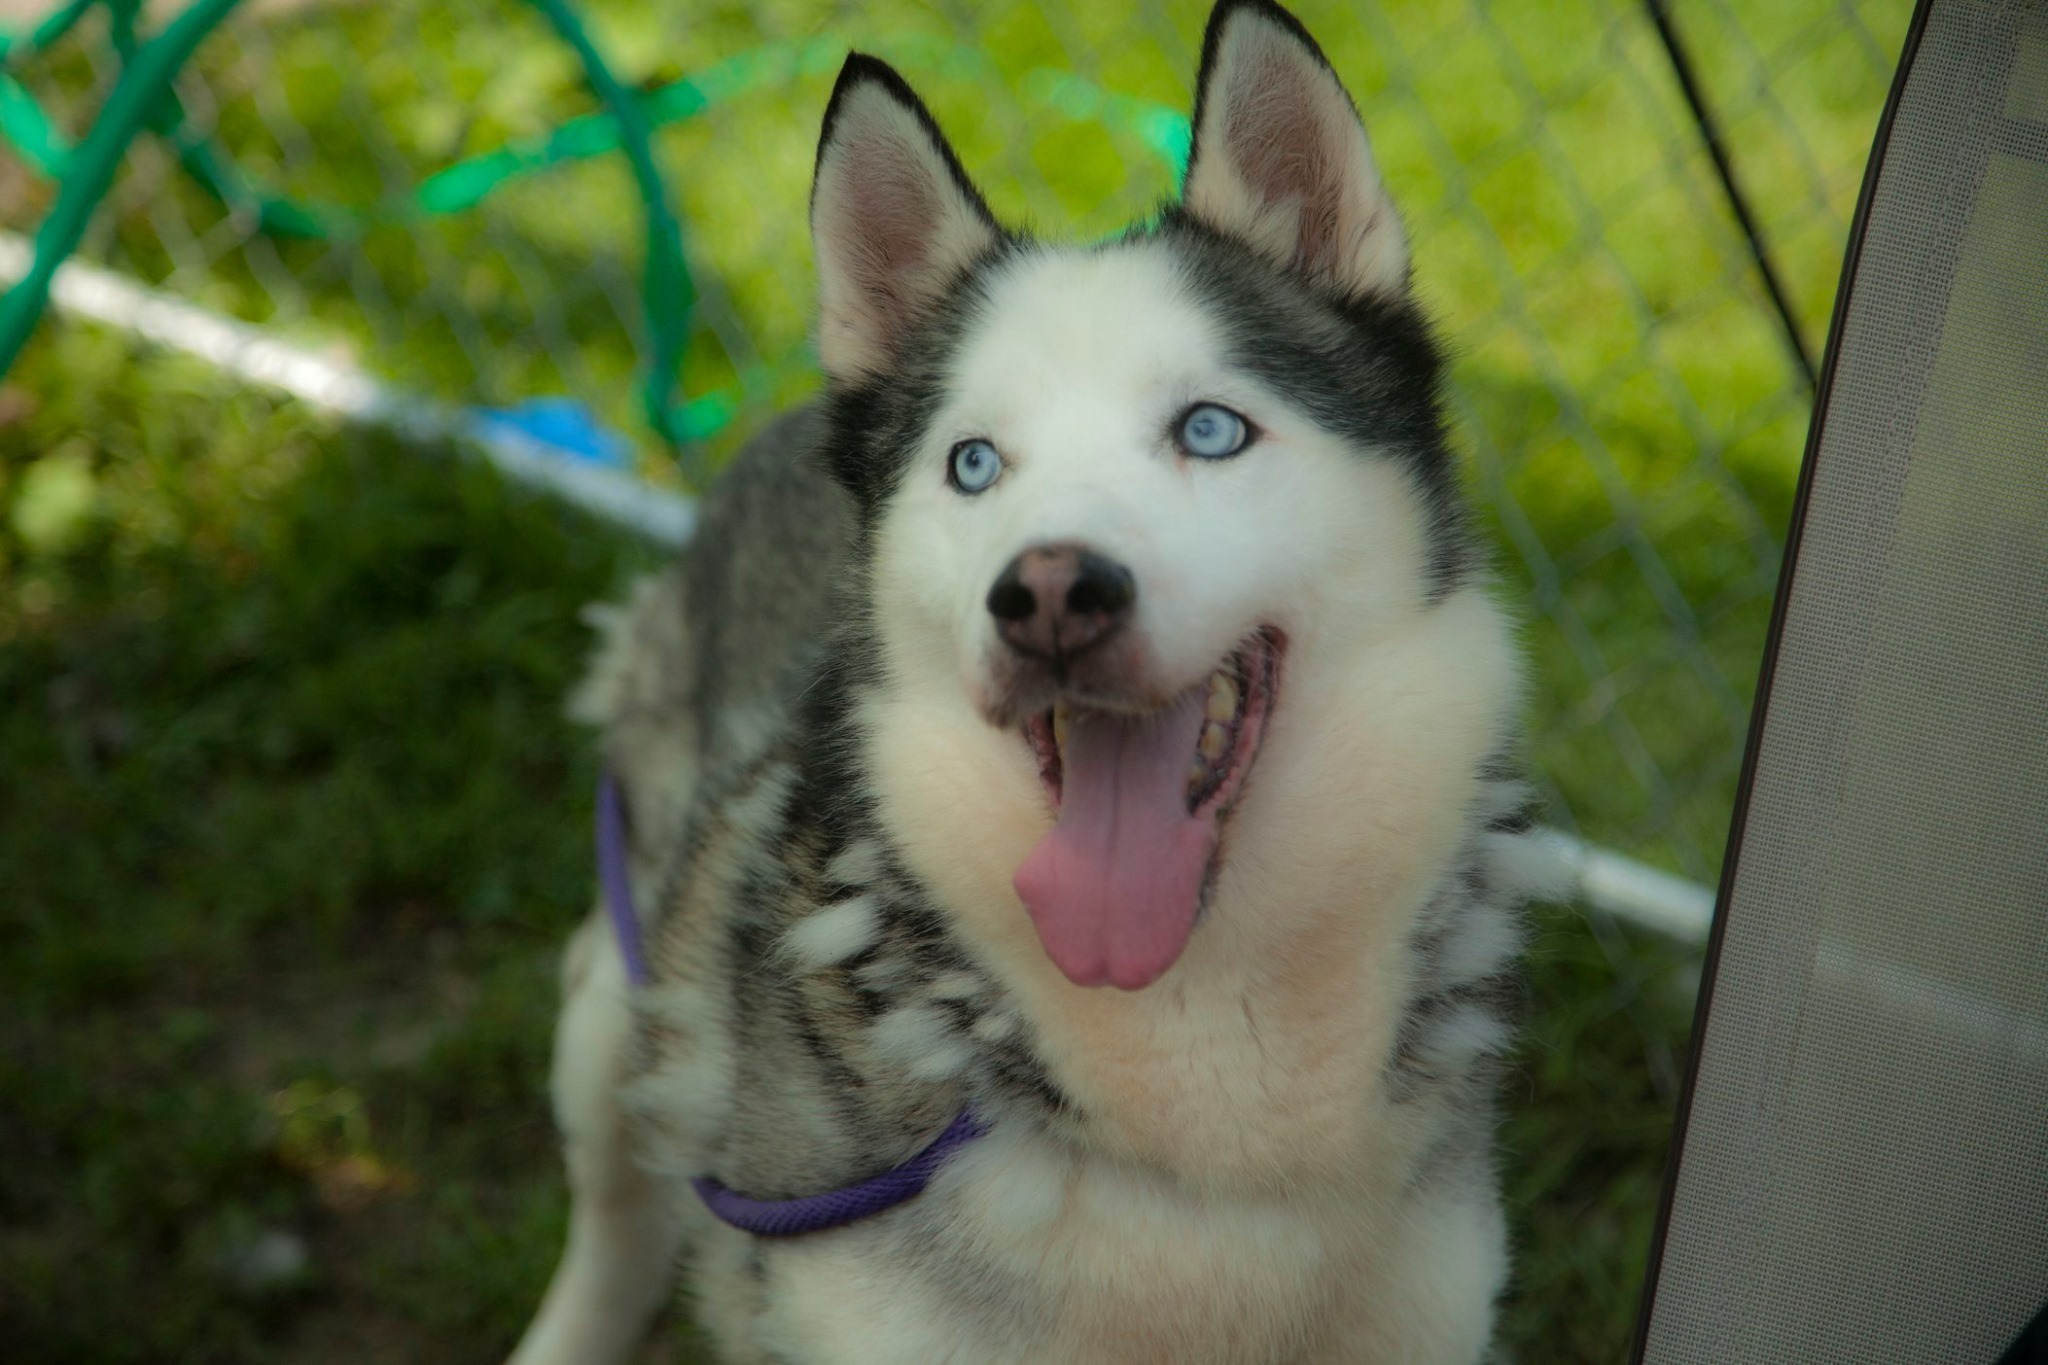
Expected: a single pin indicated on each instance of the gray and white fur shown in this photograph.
(1276, 1147)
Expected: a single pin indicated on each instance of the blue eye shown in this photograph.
(974, 466)
(1210, 432)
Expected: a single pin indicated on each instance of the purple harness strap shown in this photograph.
(849, 1203)
(614, 876)
(763, 1217)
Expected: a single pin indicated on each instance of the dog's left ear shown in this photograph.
(1280, 159)
(893, 218)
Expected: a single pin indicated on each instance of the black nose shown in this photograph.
(1058, 600)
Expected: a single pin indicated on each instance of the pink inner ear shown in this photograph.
(892, 216)
(1281, 143)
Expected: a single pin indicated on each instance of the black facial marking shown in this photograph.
(1366, 369)
(874, 425)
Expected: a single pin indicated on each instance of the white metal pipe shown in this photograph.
(338, 387)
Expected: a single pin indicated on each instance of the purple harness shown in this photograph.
(763, 1217)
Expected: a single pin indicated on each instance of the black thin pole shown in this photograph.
(1710, 133)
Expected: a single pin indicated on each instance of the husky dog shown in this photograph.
(1084, 734)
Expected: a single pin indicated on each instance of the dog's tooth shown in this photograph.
(1197, 775)
(1213, 741)
(1222, 696)
(1059, 724)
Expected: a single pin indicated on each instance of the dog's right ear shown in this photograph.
(893, 218)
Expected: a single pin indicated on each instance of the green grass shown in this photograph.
(291, 828)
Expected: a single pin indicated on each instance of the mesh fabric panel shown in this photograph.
(1864, 1174)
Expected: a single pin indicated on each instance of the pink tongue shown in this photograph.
(1113, 890)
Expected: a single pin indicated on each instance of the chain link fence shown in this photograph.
(428, 190)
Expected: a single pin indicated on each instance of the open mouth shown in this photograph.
(1236, 698)
(1115, 888)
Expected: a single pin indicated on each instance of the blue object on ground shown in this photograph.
(566, 424)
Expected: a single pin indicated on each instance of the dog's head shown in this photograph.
(1133, 509)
